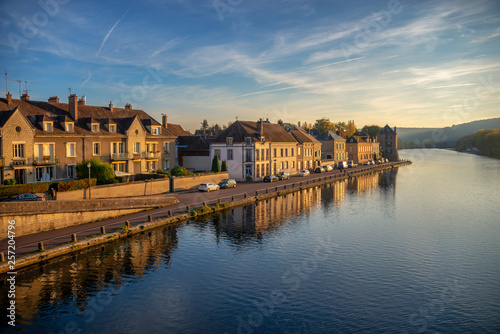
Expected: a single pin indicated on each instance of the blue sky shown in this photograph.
(406, 63)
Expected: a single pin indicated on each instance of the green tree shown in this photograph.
(180, 171)
(324, 124)
(299, 124)
(98, 170)
(215, 164)
(280, 122)
(341, 126)
(223, 167)
(204, 125)
(371, 130)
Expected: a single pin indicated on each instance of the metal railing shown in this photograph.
(120, 156)
(46, 160)
(150, 155)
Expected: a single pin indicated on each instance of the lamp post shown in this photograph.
(88, 165)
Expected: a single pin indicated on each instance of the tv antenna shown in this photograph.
(26, 90)
(6, 74)
(20, 82)
(69, 89)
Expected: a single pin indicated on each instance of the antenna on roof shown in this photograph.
(26, 85)
(19, 81)
(6, 88)
(69, 90)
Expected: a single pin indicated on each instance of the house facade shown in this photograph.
(388, 139)
(333, 146)
(309, 149)
(361, 148)
(256, 149)
(43, 141)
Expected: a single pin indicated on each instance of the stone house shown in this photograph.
(388, 139)
(43, 141)
(333, 146)
(360, 148)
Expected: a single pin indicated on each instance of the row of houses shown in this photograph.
(43, 141)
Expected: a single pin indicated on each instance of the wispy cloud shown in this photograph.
(110, 31)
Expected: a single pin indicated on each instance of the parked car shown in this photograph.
(305, 172)
(342, 164)
(283, 176)
(209, 186)
(351, 164)
(319, 170)
(328, 168)
(27, 197)
(367, 162)
(270, 178)
(227, 183)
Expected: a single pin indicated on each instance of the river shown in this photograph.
(412, 250)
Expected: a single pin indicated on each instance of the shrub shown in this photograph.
(215, 164)
(180, 171)
(101, 171)
(75, 185)
(9, 182)
(32, 188)
(142, 177)
(223, 167)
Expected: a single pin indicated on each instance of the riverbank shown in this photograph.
(207, 206)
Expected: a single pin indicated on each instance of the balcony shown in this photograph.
(151, 155)
(120, 156)
(46, 160)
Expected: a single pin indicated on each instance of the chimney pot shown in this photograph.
(164, 121)
(128, 106)
(81, 101)
(25, 97)
(110, 106)
(9, 98)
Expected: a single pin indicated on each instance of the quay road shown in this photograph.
(193, 199)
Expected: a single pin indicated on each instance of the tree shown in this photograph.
(180, 171)
(351, 128)
(341, 126)
(204, 125)
(223, 167)
(324, 124)
(101, 171)
(280, 122)
(215, 164)
(299, 124)
(371, 130)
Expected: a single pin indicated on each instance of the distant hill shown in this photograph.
(449, 134)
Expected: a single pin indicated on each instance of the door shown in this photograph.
(20, 176)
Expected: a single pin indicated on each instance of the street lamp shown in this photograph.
(88, 165)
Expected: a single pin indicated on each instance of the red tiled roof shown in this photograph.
(239, 130)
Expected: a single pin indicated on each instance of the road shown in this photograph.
(29, 243)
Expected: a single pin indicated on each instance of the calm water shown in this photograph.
(415, 250)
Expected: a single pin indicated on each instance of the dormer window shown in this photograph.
(249, 140)
(229, 140)
(155, 130)
(69, 127)
(262, 139)
(95, 127)
(47, 126)
(112, 128)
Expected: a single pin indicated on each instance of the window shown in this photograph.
(267, 154)
(165, 147)
(18, 150)
(44, 174)
(281, 152)
(229, 154)
(39, 174)
(71, 149)
(137, 147)
(286, 152)
(117, 148)
(120, 167)
(248, 154)
(249, 140)
(166, 164)
(275, 153)
(112, 128)
(71, 171)
(217, 152)
(48, 126)
(282, 165)
(293, 164)
(95, 127)
(96, 148)
(229, 140)
(298, 150)
(286, 164)
(155, 130)
(69, 127)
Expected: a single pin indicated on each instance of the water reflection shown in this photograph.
(73, 285)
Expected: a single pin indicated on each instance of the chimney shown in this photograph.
(128, 106)
(164, 121)
(53, 99)
(110, 106)
(259, 126)
(73, 106)
(25, 97)
(81, 101)
(9, 98)
(395, 129)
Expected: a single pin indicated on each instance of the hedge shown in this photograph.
(75, 185)
(31, 188)
(141, 177)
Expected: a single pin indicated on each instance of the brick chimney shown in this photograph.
(53, 99)
(73, 106)
(9, 98)
(110, 106)
(128, 106)
(25, 97)
(81, 101)
(259, 126)
(164, 121)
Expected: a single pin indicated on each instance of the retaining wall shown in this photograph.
(180, 183)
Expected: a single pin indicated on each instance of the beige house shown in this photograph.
(333, 146)
(308, 148)
(43, 141)
(361, 148)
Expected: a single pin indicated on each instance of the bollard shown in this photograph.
(127, 223)
(150, 218)
(103, 230)
(73, 238)
(40, 246)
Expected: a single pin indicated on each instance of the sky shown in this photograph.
(405, 63)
